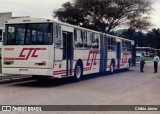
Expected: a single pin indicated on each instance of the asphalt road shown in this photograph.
(123, 88)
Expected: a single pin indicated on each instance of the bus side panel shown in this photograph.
(105, 48)
(124, 60)
(111, 55)
(89, 58)
(133, 55)
(103, 53)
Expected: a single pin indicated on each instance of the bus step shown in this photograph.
(63, 76)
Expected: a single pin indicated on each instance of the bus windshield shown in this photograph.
(29, 34)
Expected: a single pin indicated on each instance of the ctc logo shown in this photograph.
(30, 50)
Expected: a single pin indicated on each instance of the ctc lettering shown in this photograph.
(92, 58)
(125, 57)
(30, 52)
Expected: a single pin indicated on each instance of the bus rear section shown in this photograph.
(27, 49)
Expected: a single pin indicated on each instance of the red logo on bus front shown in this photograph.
(30, 50)
(26, 53)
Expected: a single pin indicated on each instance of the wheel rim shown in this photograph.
(78, 72)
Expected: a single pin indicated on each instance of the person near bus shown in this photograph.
(142, 62)
(155, 60)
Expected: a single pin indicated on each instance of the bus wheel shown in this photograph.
(112, 68)
(78, 72)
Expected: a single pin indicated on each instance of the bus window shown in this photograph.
(124, 45)
(28, 34)
(87, 40)
(20, 36)
(111, 44)
(129, 46)
(58, 36)
(11, 35)
(0, 35)
(95, 41)
(78, 39)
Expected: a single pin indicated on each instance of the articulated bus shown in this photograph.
(148, 51)
(1, 39)
(157, 51)
(45, 48)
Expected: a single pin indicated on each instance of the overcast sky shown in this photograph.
(44, 8)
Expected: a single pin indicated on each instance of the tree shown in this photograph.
(149, 39)
(154, 38)
(106, 15)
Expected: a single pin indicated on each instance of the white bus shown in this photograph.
(45, 48)
(148, 51)
(157, 51)
(1, 39)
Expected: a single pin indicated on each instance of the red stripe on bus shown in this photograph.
(14, 59)
(43, 49)
(108, 66)
(61, 72)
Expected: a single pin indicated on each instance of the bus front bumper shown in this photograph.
(28, 71)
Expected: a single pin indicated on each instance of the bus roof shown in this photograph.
(144, 47)
(43, 20)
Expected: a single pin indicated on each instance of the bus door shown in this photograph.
(68, 51)
(118, 54)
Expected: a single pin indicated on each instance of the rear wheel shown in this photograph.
(78, 72)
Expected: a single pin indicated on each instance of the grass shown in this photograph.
(146, 59)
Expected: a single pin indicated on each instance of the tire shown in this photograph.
(112, 68)
(78, 72)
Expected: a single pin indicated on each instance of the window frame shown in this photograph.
(111, 43)
(59, 35)
(94, 36)
(125, 46)
(86, 39)
(76, 38)
(26, 28)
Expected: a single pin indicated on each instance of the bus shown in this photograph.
(148, 51)
(1, 39)
(157, 51)
(45, 48)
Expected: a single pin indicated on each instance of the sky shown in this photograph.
(44, 8)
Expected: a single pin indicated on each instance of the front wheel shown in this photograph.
(78, 72)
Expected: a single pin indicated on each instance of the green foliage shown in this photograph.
(146, 59)
(150, 39)
(106, 15)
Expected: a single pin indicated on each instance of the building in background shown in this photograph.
(4, 16)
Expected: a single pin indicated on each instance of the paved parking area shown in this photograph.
(124, 88)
